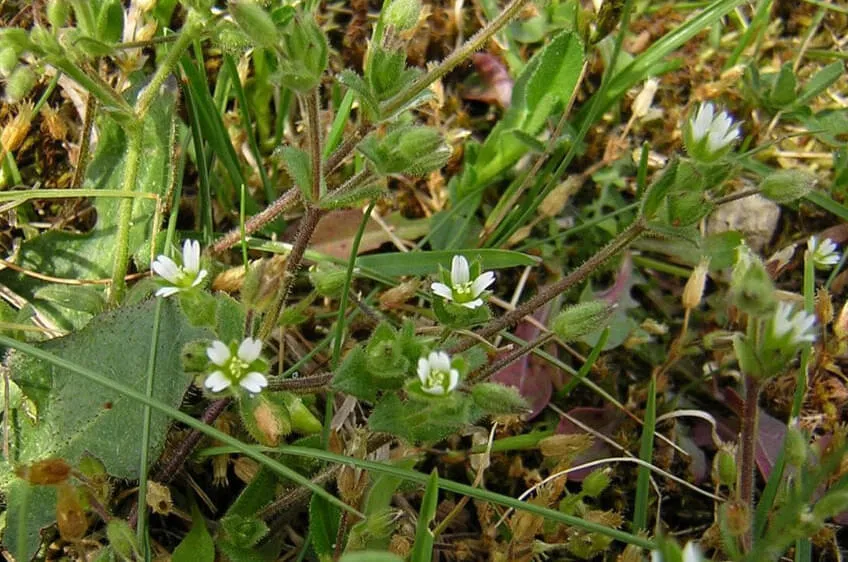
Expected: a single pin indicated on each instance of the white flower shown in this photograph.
(799, 326)
(181, 278)
(462, 290)
(244, 367)
(707, 135)
(436, 374)
(691, 553)
(823, 253)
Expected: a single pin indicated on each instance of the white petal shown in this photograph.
(216, 382)
(442, 290)
(166, 268)
(249, 350)
(691, 553)
(254, 382)
(812, 244)
(701, 122)
(482, 283)
(440, 361)
(782, 324)
(191, 255)
(454, 379)
(473, 304)
(459, 271)
(828, 246)
(218, 353)
(167, 291)
(201, 275)
(423, 370)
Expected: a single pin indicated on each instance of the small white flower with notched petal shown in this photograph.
(708, 136)
(180, 278)
(799, 327)
(823, 253)
(436, 374)
(240, 365)
(462, 290)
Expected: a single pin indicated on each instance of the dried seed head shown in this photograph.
(16, 130)
(840, 327)
(70, 515)
(555, 201)
(645, 98)
(46, 472)
(246, 469)
(159, 498)
(694, 289)
(53, 124)
(565, 445)
(824, 306)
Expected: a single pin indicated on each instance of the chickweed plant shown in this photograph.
(446, 378)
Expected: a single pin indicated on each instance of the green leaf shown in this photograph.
(243, 532)
(90, 255)
(353, 377)
(299, 169)
(78, 417)
(415, 421)
(821, 81)
(427, 263)
(323, 527)
(424, 538)
(546, 83)
(354, 82)
(197, 545)
(29, 510)
(82, 298)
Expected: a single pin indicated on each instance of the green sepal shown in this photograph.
(265, 417)
(299, 169)
(456, 316)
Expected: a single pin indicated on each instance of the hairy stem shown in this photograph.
(304, 233)
(476, 42)
(309, 108)
(257, 221)
(135, 134)
(510, 358)
(747, 451)
(551, 291)
(148, 95)
(302, 385)
(177, 458)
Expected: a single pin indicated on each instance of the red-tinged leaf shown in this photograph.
(770, 435)
(496, 79)
(528, 375)
(604, 421)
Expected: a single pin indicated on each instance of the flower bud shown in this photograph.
(580, 319)
(122, 539)
(724, 468)
(795, 447)
(694, 289)
(785, 186)
(255, 22)
(8, 60)
(328, 280)
(302, 419)
(494, 398)
(15, 38)
(20, 83)
(245, 469)
(751, 287)
(305, 54)
(402, 14)
(596, 483)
